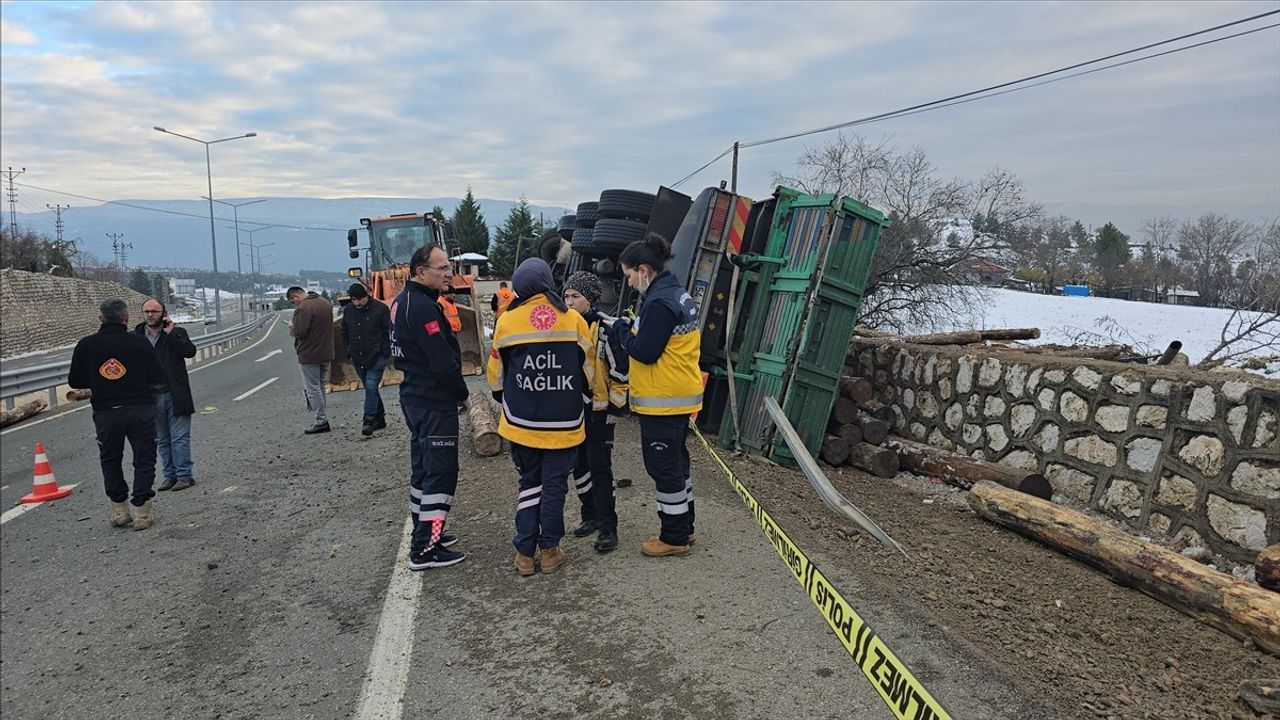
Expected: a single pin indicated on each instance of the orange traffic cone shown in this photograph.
(44, 487)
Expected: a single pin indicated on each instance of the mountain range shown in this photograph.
(310, 233)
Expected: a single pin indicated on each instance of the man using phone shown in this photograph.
(174, 406)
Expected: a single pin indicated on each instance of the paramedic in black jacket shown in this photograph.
(425, 348)
(124, 373)
(366, 335)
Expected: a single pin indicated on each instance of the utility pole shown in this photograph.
(57, 223)
(13, 199)
(118, 250)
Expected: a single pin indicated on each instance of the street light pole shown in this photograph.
(213, 239)
(235, 211)
(252, 265)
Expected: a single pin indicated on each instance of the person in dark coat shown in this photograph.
(366, 334)
(175, 406)
(312, 331)
(124, 373)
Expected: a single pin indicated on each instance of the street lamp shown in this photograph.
(235, 210)
(256, 272)
(213, 240)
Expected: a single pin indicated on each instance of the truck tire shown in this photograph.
(626, 205)
(550, 249)
(582, 239)
(612, 236)
(566, 226)
(588, 213)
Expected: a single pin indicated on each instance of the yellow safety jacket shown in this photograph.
(610, 366)
(540, 370)
(672, 385)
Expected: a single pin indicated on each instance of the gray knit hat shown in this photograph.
(587, 284)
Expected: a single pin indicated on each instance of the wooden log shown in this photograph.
(857, 389)
(835, 450)
(876, 460)
(484, 427)
(845, 411)
(963, 472)
(879, 411)
(874, 430)
(1108, 352)
(866, 332)
(1263, 696)
(73, 395)
(969, 337)
(851, 433)
(1238, 608)
(1267, 567)
(23, 411)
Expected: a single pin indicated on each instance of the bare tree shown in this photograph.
(918, 280)
(1161, 232)
(1206, 247)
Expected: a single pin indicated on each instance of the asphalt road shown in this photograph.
(272, 589)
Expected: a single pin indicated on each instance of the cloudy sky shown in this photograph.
(556, 101)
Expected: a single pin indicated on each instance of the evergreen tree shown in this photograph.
(438, 213)
(1080, 237)
(521, 231)
(470, 227)
(1111, 250)
(139, 281)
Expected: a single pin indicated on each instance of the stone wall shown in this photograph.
(42, 312)
(1191, 454)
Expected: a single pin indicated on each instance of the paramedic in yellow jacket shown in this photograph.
(541, 374)
(593, 474)
(666, 385)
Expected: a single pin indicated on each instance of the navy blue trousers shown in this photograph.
(433, 478)
(544, 482)
(666, 459)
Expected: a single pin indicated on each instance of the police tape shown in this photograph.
(900, 690)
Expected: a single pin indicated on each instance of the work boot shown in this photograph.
(585, 528)
(183, 484)
(321, 428)
(606, 542)
(142, 517)
(380, 422)
(654, 547)
(120, 514)
(524, 564)
(367, 429)
(552, 560)
(167, 484)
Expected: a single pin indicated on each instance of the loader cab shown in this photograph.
(394, 238)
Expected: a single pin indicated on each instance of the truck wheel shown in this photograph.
(582, 238)
(587, 214)
(566, 226)
(612, 236)
(550, 249)
(626, 205)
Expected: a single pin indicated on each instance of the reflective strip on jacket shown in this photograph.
(540, 371)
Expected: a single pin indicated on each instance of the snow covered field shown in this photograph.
(1148, 327)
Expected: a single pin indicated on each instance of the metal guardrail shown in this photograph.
(49, 376)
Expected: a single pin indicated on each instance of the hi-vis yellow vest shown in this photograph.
(609, 387)
(541, 372)
(673, 384)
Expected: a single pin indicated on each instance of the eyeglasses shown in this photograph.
(442, 268)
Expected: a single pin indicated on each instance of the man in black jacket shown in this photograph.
(174, 407)
(366, 334)
(425, 348)
(124, 374)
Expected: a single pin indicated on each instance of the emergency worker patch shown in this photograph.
(112, 369)
(433, 327)
(543, 317)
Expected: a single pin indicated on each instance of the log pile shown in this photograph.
(858, 426)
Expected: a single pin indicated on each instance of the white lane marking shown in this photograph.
(247, 393)
(229, 488)
(4, 487)
(277, 351)
(382, 697)
(17, 510)
(85, 406)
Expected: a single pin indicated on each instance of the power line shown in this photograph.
(1005, 87)
(57, 211)
(166, 212)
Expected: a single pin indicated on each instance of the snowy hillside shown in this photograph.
(1148, 327)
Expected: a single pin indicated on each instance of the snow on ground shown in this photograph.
(1147, 327)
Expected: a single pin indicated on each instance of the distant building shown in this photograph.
(983, 272)
(1182, 296)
